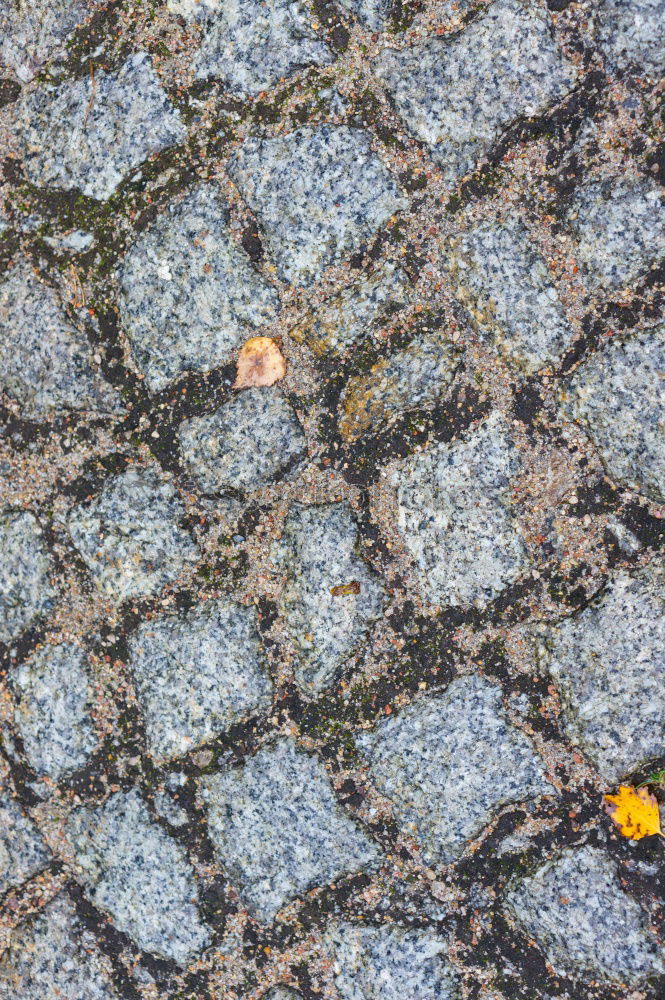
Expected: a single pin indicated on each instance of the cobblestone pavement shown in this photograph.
(314, 690)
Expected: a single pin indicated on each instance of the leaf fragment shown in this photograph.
(344, 589)
(635, 812)
(260, 363)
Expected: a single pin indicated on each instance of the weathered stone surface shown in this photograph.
(372, 14)
(456, 519)
(190, 294)
(340, 193)
(619, 398)
(459, 94)
(632, 35)
(278, 829)
(283, 993)
(55, 958)
(389, 963)
(54, 697)
(448, 763)
(507, 283)
(91, 135)
(26, 592)
(196, 674)
(133, 869)
(22, 851)
(245, 444)
(31, 33)
(318, 553)
(609, 663)
(129, 535)
(45, 361)
(584, 921)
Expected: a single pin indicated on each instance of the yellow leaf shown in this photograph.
(635, 812)
(260, 362)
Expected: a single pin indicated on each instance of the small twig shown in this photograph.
(93, 91)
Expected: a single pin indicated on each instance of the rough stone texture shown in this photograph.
(372, 14)
(278, 829)
(45, 361)
(318, 553)
(245, 444)
(448, 763)
(90, 136)
(508, 285)
(282, 993)
(456, 519)
(459, 94)
(340, 193)
(619, 398)
(26, 592)
(55, 958)
(133, 869)
(609, 662)
(31, 33)
(389, 963)
(129, 536)
(632, 35)
(54, 699)
(619, 225)
(579, 914)
(197, 674)
(190, 294)
(22, 851)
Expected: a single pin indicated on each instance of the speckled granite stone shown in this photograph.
(448, 763)
(276, 826)
(412, 379)
(129, 536)
(340, 193)
(26, 592)
(631, 35)
(91, 137)
(389, 963)
(372, 14)
(190, 294)
(583, 920)
(619, 225)
(245, 444)
(54, 697)
(319, 552)
(609, 663)
(142, 877)
(459, 94)
(455, 516)
(619, 398)
(196, 674)
(44, 360)
(22, 851)
(507, 283)
(31, 33)
(55, 958)
(250, 44)
(282, 993)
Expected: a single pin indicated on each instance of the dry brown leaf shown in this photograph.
(344, 589)
(635, 812)
(260, 362)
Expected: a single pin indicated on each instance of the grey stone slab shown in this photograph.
(390, 963)
(45, 362)
(339, 194)
(32, 33)
(22, 850)
(631, 35)
(609, 663)
(449, 763)
(459, 94)
(587, 925)
(619, 225)
(189, 293)
(246, 444)
(26, 592)
(276, 826)
(318, 552)
(371, 14)
(132, 869)
(456, 516)
(53, 702)
(129, 535)
(92, 135)
(196, 674)
(506, 282)
(55, 958)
